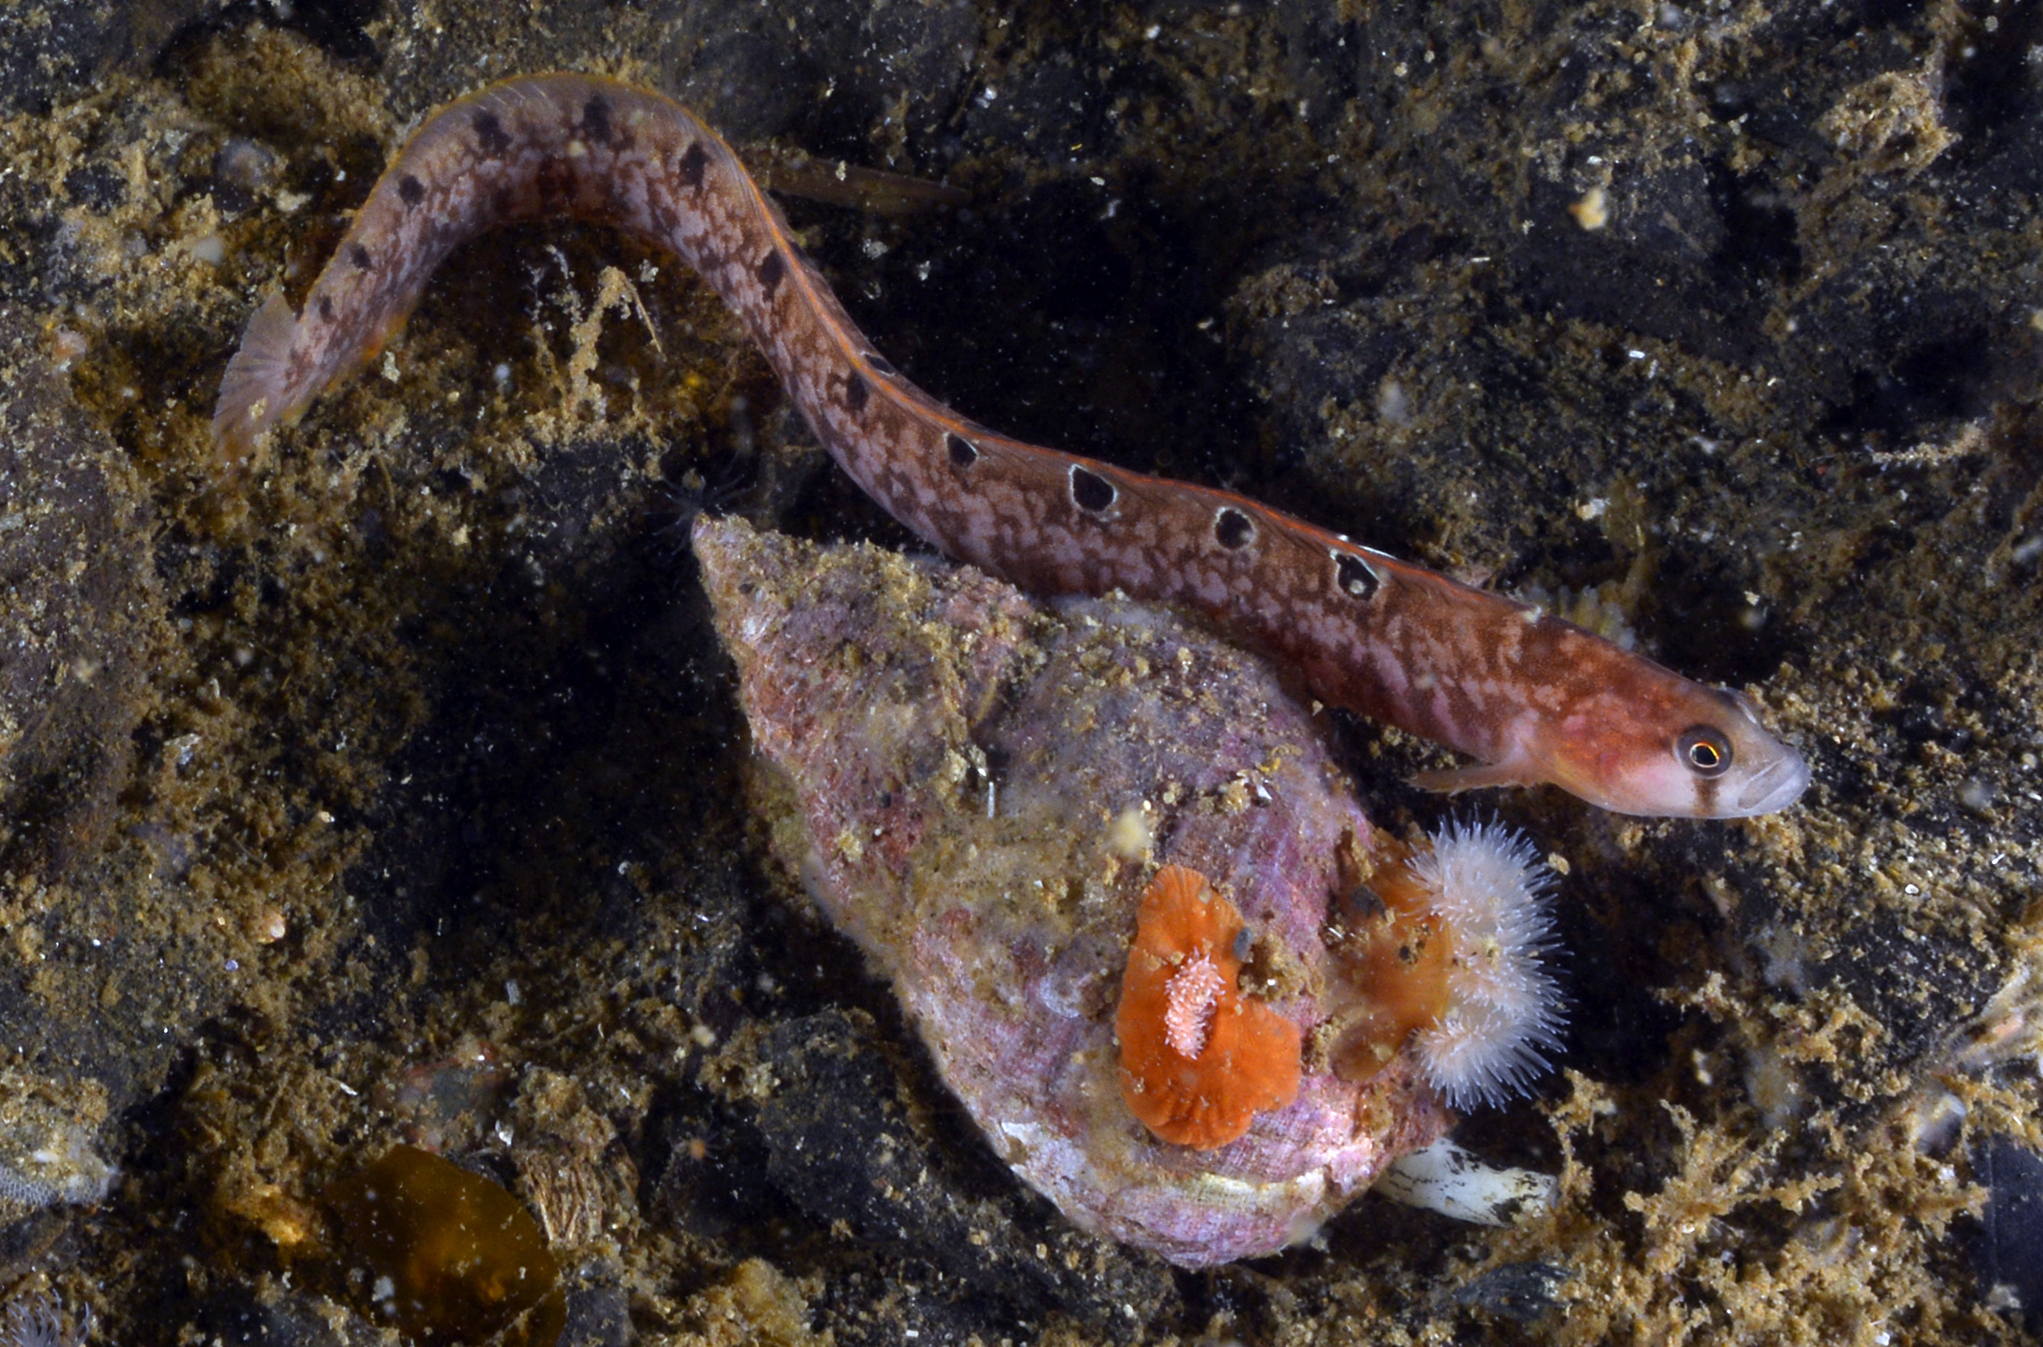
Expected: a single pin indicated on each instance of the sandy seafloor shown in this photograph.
(393, 790)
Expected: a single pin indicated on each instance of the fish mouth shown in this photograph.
(1773, 787)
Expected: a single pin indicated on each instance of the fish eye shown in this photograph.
(1703, 750)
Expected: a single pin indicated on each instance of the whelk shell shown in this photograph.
(982, 790)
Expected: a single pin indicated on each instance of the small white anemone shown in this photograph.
(33, 1321)
(1504, 1010)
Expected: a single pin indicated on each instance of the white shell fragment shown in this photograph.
(1445, 1178)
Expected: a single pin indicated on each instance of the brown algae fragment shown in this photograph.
(450, 1256)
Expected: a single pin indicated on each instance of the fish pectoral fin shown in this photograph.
(1450, 780)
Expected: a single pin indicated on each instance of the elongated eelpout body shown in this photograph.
(1534, 698)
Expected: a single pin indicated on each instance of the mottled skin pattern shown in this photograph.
(1531, 696)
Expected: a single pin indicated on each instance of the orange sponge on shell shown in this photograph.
(1198, 1059)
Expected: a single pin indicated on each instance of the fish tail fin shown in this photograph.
(255, 392)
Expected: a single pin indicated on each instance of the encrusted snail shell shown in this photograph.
(986, 793)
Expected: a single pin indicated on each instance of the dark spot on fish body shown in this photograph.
(410, 190)
(359, 257)
(1090, 491)
(855, 391)
(1706, 791)
(1353, 577)
(596, 125)
(490, 135)
(324, 306)
(963, 455)
(693, 163)
(771, 270)
(555, 181)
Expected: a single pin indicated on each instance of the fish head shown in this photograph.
(1703, 753)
